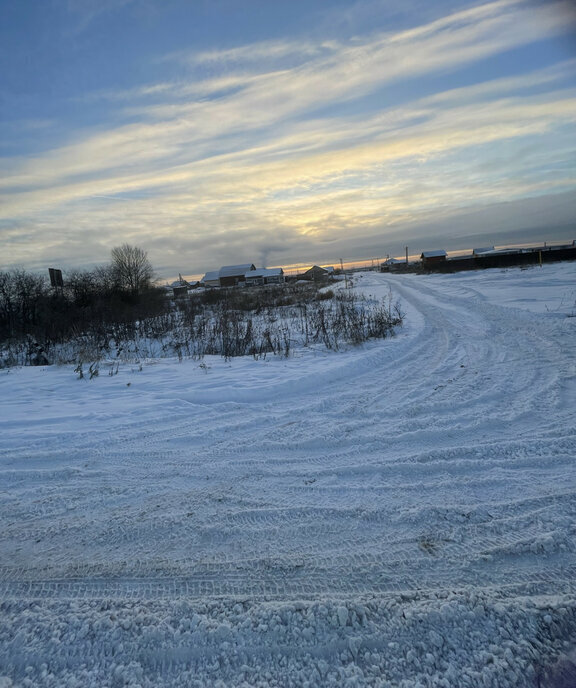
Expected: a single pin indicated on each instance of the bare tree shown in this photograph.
(131, 268)
(21, 297)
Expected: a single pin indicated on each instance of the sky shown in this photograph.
(216, 132)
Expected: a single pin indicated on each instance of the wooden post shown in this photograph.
(345, 278)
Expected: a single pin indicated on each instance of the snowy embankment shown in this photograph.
(399, 514)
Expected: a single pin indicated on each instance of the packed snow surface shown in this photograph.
(398, 514)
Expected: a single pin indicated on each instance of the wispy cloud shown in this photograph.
(254, 55)
(85, 12)
(264, 145)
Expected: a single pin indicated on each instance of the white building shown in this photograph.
(262, 276)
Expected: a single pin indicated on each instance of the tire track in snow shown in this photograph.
(432, 417)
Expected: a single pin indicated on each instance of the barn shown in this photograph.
(432, 257)
(316, 273)
(211, 279)
(233, 275)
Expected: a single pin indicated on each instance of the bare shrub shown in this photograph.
(90, 321)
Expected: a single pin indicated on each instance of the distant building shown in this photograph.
(181, 287)
(392, 264)
(432, 257)
(181, 282)
(316, 273)
(211, 279)
(232, 275)
(263, 276)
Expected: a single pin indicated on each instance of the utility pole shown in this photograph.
(406, 256)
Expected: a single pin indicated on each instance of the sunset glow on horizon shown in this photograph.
(282, 133)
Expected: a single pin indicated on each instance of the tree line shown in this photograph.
(115, 313)
(121, 291)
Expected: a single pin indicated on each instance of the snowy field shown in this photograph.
(400, 514)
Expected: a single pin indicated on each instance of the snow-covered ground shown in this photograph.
(399, 514)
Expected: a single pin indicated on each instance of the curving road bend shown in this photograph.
(401, 514)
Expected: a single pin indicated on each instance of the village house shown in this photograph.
(263, 276)
(391, 264)
(432, 257)
(233, 275)
(316, 273)
(211, 279)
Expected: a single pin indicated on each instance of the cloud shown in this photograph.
(305, 142)
(85, 12)
(254, 55)
(179, 131)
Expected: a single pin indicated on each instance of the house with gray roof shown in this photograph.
(233, 275)
(262, 276)
(211, 279)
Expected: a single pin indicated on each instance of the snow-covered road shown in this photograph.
(399, 514)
